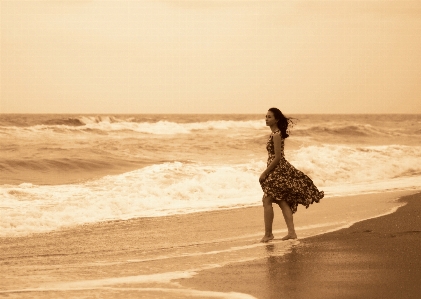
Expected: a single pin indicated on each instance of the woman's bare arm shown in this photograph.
(277, 143)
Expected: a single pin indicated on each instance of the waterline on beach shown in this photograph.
(152, 256)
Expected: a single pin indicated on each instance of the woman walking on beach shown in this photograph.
(281, 182)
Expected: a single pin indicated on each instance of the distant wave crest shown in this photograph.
(65, 122)
(113, 124)
(359, 130)
(105, 124)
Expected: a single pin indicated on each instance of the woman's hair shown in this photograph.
(283, 122)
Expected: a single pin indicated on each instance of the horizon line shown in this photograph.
(201, 113)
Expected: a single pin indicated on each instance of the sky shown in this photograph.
(210, 56)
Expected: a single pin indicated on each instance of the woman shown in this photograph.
(281, 182)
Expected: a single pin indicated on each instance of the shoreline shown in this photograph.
(234, 216)
(373, 258)
(134, 258)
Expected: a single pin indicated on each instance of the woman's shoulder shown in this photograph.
(277, 136)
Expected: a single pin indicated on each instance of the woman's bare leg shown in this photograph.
(268, 216)
(286, 211)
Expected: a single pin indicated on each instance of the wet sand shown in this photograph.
(376, 258)
(218, 255)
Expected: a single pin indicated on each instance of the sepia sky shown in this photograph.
(210, 56)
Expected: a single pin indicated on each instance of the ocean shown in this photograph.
(133, 206)
(68, 170)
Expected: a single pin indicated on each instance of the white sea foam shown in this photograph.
(178, 188)
(342, 167)
(170, 188)
(118, 284)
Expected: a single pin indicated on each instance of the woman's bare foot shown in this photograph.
(290, 236)
(266, 239)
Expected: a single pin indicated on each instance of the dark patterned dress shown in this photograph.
(287, 183)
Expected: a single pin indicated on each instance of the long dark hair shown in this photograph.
(283, 122)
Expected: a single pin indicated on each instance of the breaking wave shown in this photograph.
(179, 188)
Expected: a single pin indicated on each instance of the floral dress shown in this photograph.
(287, 183)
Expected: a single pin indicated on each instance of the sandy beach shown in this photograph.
(376, 258)
(218, 255)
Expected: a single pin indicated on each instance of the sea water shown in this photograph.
(178, 164)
